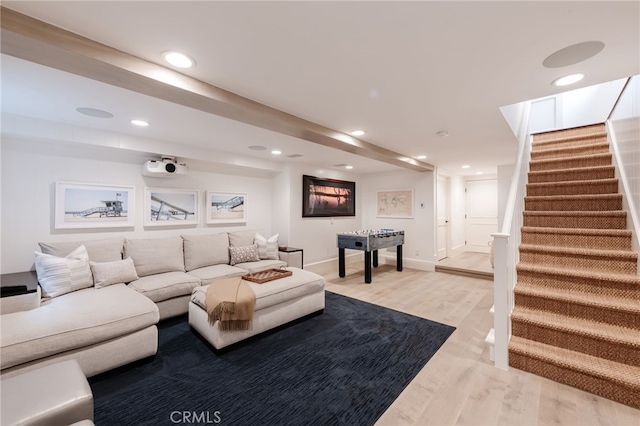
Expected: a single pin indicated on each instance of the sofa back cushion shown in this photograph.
(242, 238)
(104, 250)
(61, 275)
(155, 255)
(205, 250)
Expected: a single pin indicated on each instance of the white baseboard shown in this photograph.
(458, 250)
(478, 249)
(421, 265)
(331, 265)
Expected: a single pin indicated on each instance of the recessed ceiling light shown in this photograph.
(94, 112)
(178, 59)
(478, 173)
(443, 133)
(257, 147)
(568, 79)
(358, 132)
(276, 152)
(466, 166)
(140, 123)
(348, 167)
(421, 157)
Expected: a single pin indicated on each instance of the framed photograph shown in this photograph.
(226, 207)
(92, 205)
(170, 207)
(395, 203)
(327, 197)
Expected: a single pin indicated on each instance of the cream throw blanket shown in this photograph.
(230, 301)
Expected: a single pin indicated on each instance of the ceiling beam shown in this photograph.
(37, 41)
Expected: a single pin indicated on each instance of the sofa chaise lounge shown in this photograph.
(134, 284)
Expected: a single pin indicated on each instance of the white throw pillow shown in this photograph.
(267, 248)
(60, 275)
(108, 273)
(243, 254)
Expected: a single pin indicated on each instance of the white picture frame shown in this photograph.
(395, 203)
(93, 205)
(226, 207)
(171, 207)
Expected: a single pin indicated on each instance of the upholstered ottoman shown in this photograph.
(277, 302)
(57, 394)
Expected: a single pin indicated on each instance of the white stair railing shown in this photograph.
(505, 246)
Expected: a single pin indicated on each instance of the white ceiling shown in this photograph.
(400, 70)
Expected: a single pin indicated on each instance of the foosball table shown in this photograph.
(369, 241)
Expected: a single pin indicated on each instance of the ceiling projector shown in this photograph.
(165, 168)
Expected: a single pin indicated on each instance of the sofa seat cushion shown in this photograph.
(274, 292)
(74, 320)
(165, 286)
(261, 265)
(210, 273)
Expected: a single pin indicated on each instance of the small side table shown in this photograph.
(292, 255)
(19, 292)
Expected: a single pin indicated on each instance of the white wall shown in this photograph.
(457, 209)
(626, 126)
(505, 177)
(30, 170)
(590, 105)
(280, 206)
(419, 232)
(317, 235)
(482, 212)
(580, 107)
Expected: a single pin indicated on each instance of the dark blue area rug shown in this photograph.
(344, 367)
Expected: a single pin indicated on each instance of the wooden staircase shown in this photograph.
(576, 318)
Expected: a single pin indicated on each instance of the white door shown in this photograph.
(442, 221)
(482, 213)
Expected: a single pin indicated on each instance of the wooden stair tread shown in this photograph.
(576, 157)
(614, 254)
(585, 299)
(573, 138)
(578, 231)
(623, 374)
(611, 213)
(569, 174)
(578, 326)
(573, 197)
(563, 151)
(579, 273)
(572, 182)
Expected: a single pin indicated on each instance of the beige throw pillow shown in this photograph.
(61, 275)
(267, 248)
(108, 273)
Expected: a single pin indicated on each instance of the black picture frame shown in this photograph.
(327, 197)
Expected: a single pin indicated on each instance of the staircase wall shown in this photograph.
(624, 136)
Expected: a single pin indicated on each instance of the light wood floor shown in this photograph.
(469, 260)
(459, 385)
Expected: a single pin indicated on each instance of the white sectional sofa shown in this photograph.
(135, 283)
